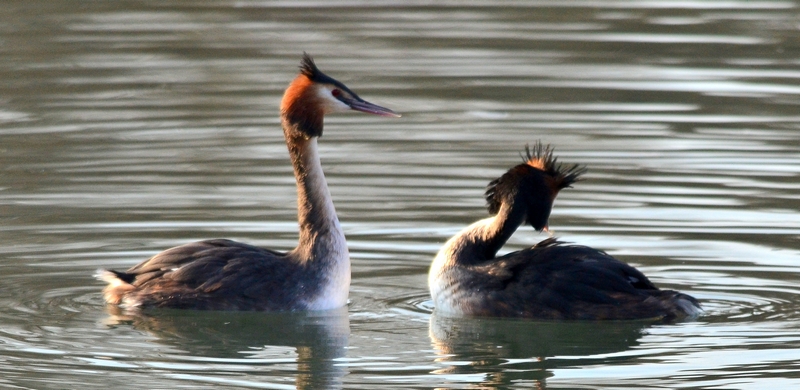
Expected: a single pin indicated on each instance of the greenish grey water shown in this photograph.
(130, 127)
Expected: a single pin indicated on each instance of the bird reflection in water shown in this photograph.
(319, 339)
(496, 352)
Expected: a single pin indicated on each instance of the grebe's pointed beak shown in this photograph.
(369, 108)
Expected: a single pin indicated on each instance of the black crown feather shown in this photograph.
(310, 70)
(308, 67)
(538, 158)
(542, 155)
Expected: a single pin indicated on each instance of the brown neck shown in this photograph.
(320, 231)
(482, 240)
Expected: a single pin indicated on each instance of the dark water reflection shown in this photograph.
(217, 347)
(130, 127)
(506, 352)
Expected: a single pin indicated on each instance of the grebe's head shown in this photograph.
(532, 187)
(312, 94)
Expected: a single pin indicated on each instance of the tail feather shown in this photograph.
(118, 285)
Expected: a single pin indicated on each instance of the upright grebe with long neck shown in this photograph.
(228, 275)
(550, 280)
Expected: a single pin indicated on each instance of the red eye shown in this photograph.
(336, 93)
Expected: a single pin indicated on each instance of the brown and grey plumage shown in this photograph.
(550, 280)
(228, 275)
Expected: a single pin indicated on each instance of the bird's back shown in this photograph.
(556, 281)
(216, 275)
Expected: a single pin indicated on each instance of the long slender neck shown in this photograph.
(321, 235)
(483, 239)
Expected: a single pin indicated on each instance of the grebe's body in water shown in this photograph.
(550, 280)
(228, 275)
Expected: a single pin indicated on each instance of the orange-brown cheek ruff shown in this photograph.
(300, 106)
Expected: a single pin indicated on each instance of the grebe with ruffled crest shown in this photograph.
(550, 280)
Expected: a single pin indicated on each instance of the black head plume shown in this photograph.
(541, 157)
(308, 67)
(310, 70)
(531, 187)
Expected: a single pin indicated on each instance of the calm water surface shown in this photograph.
(130, 127)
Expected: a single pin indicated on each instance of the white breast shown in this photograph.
(337, 283)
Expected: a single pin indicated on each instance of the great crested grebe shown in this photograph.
(550, 280)
(228, 275)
